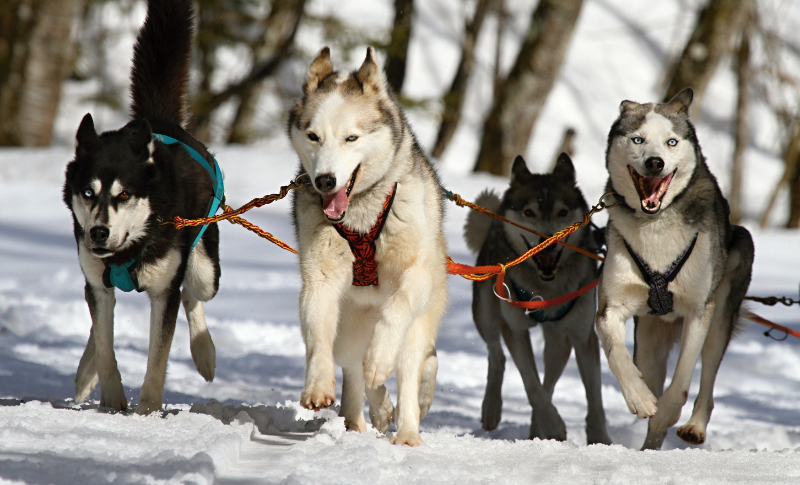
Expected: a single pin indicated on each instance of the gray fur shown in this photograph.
(548, 194)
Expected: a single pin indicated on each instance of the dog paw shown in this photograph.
(638, 397)
(377, 367)
(597, 436)
(84, 385)
(491, 411)
(692, 433)
(407, 438)
(667, 414)
(547, 424)
(204, 355)
(113, 397)
(318, 396)
(147, 406)
(382, 414)
(357, 424)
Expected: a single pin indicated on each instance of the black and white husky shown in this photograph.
(120, 187)
(675, 263)
(547, 203)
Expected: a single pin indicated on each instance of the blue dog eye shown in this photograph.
(638, 140)
(88, 193)
(672, 142)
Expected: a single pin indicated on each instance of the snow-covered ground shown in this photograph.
(246, 426)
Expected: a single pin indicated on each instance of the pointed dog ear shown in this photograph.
(140, 136)
(627, 105)
(682, 101)
(564, 168)
(319, 70)
(86, 136)
(519, 169)
(370, 74)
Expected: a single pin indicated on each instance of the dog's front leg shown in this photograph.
(397, 315)
(101, 303)
(319, 315)
(695, 330)
(163, 315)
(611, 330)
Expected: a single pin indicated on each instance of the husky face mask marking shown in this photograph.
(109, 198)
(557, 204)
(651, 157)
(335, 128)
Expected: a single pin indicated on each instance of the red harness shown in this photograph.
(365, 268)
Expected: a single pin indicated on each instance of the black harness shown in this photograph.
(660, 298)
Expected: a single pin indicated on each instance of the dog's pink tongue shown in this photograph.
(334, 205)
(651, 185)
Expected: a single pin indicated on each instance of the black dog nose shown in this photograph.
(99, 234)
(654, 164)
(325, 182)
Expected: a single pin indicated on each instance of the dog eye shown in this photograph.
(88, 193)
(529, 213)
(124, 195)
(563, 213)
(638, 140)
(351, 138)
(313, 137)
(672, 142)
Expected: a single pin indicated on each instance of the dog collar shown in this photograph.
(365, 268)
(123, 276)
(659, 297)
(538, 314)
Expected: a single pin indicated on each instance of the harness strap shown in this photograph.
(365, 268)
(538, 314)
(123, 276)
(500, 289)
(659, 297)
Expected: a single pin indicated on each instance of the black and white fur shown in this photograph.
(120, 187)
(354, 144)
(546, 203)
(667, 195)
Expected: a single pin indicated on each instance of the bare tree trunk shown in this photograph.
(740, 142)
(36, 54)
(397, 50)
(793, 172)
(716, 25)
(454, 99)
(507, 129)
(502, 16)
(791, 159)
(205, 103)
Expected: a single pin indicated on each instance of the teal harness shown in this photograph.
(122, 276)
(538, 315)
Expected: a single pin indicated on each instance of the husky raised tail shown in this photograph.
(675, 263)
(372, 252)
(120, 187)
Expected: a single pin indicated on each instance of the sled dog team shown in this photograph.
(373, 259)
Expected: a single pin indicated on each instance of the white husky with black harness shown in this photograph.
(675, 263)
(372, 252)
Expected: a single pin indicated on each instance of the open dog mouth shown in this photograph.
(651, 189)
(546, 260)
(334, 204)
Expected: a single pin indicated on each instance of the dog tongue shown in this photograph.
(334, 205)
(651, 185)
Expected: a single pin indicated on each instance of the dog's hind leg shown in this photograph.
(587, 354)
(101, 307)
(556, 355)
(381, 409)
(352, 409)
(427, 384)
(204, 353)
(653, 339)
(86, 378)
(163, 314)
(545, 420)
(486, 313)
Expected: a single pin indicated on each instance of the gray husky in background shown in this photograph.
(546, 203)
(675, 263)
(372, 193)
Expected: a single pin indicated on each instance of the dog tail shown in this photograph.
(161, 56)
(477, 227)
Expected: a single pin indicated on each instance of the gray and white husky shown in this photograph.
(675, 263)
(372, 252)
(546, 203)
